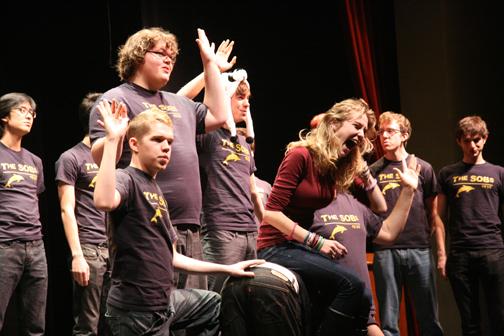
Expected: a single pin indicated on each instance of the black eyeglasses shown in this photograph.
(23, 111)
(389, 131)
(162, 56)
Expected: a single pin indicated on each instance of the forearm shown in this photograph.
(71, 232)
(192, 266)
(440, 236)
(285, 225)
(376, 200)
(394, 224)
(98, 147)
(104, 193)
(194, 87)
(215, 97)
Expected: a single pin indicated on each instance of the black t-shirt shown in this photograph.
(76, 167)
(141, 237)
(474, 195)
(180, 181)
(21, 181)
(226, 168)
(417, 231)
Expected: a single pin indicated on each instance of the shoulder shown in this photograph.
(377, 165)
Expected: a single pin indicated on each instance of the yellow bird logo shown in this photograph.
(464, 188)
(93, 182)
(391, 185)
(157, 215)
(231, 157)
(337, 229)
(12, 179)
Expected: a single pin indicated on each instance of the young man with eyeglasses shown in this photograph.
(23, 264)
(473, 192)
(84, 227)
(145, 64)
(408, 262)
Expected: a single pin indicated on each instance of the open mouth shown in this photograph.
(351, 143)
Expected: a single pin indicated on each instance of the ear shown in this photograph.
(5, 119)
(405, 137)
(133, 143)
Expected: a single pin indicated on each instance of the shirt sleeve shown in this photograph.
(290, 173)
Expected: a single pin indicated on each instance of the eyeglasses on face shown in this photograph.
(389, 131)
(162, 56)
(23, 111)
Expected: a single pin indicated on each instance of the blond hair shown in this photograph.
(324, 146)
(141, 124)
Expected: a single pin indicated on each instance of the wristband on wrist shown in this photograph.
(289, 237)
(371, 184)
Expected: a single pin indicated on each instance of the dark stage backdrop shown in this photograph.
(298, 58)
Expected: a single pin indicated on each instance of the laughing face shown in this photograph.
(351, 133)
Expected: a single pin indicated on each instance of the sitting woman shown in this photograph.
(324, 160)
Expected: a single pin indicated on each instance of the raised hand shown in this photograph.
(409, 173)
(223, 53)
(114, 118)
(207, 50)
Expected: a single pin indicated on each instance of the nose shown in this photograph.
(361, 134)
(165, 146)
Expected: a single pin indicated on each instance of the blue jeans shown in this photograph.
(335, 292)
(413, 269)
(89, 301)
(195, 311)
(266, 305)
(466, 270)
(24, 269)
(227, 247)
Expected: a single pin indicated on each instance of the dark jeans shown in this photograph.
(227, 247)
(189, 244)
(89, 301)
(195, 311)
(266, 305)
(334, 291)
(24, 270)
(466, 270)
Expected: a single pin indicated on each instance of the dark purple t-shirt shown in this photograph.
(474, 195)
(76, 167)
(141, 240)
(352, 224)
(180, 181)
(226, 168)
(21, 181)
(417, 231)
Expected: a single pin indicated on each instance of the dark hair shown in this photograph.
(11, 100)
(471, 125)
(85, 107)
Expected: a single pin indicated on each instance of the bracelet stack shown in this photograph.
(313, 240)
